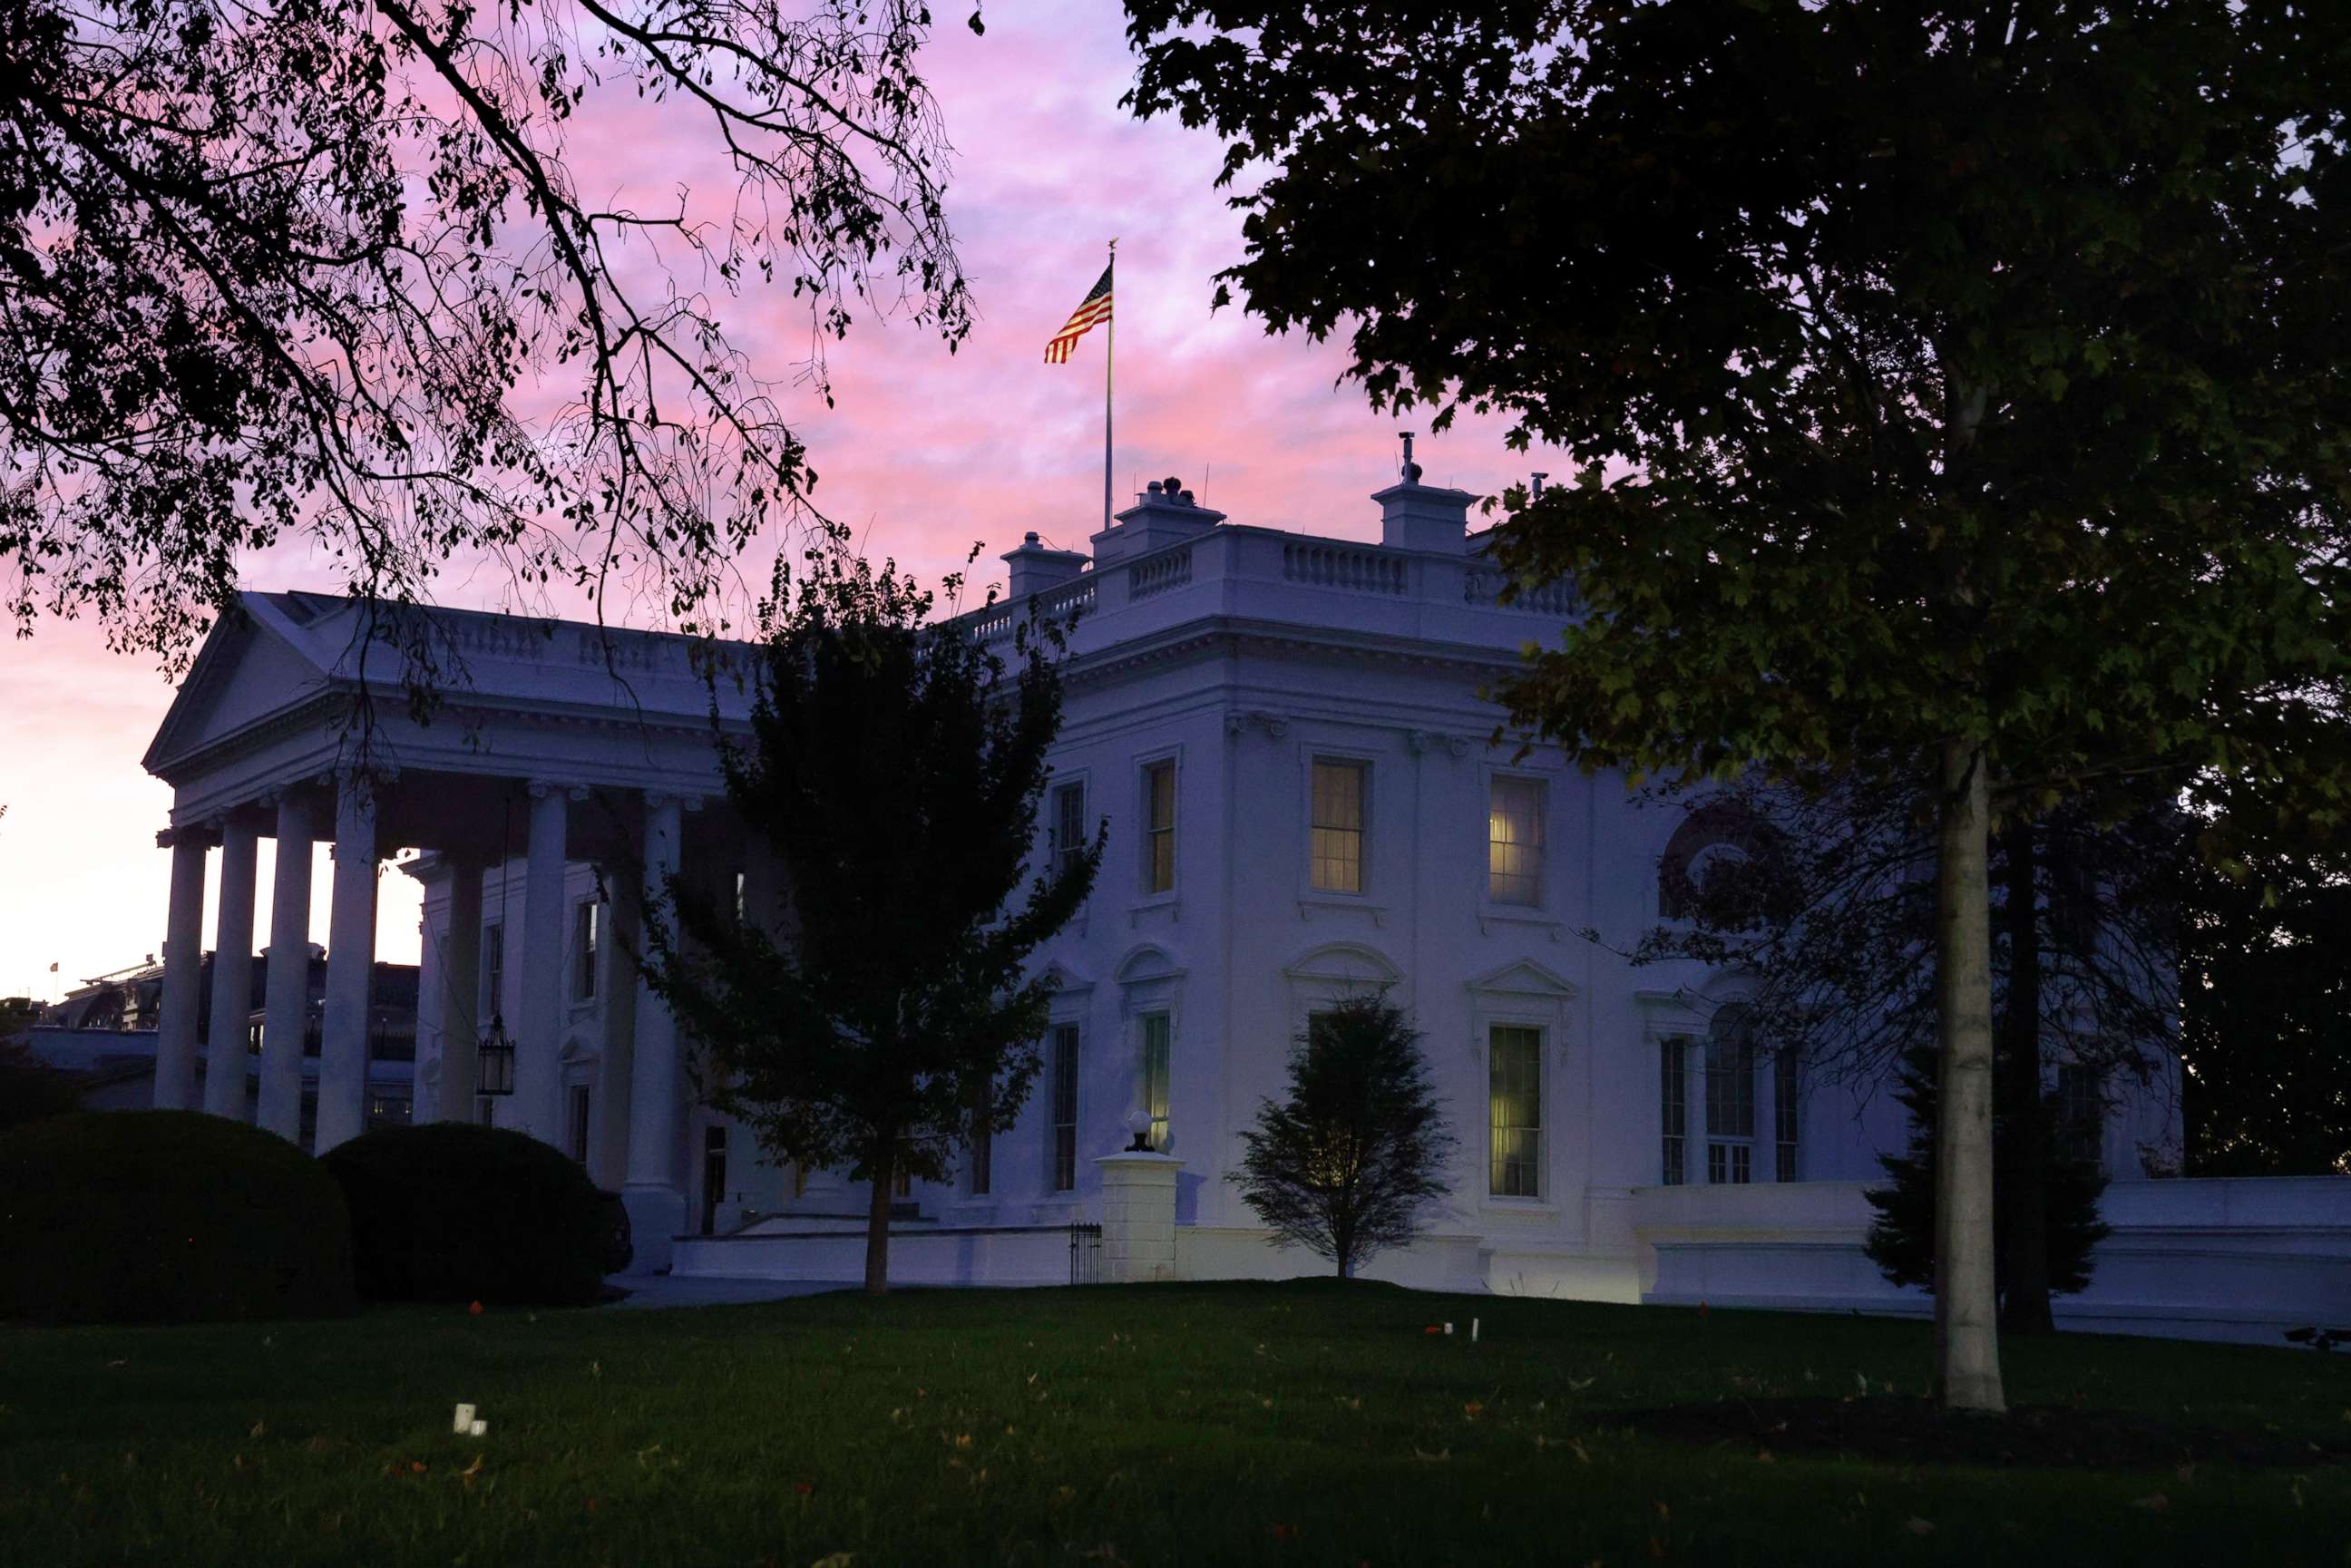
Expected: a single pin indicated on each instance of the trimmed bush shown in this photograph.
(151, 1217)
(453, 1212)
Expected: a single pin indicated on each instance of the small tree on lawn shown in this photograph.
(1344, 1165)
(895, 766)
(2066, 1188)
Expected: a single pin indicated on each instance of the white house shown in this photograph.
(1304, 795)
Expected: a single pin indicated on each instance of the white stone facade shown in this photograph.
(1304, 792)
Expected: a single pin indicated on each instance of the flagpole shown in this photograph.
(1110, 352)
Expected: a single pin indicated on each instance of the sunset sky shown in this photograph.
(925, 454)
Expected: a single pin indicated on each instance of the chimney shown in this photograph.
(1413, 516)
(1165, 514)
(1035, 569)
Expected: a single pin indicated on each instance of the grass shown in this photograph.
(1307, 1423)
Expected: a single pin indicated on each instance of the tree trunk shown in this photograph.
(1967, 1342)
(2023, 1172)
(883, 1169)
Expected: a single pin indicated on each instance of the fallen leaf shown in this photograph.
(1920, 1527)
(260, 1429)
(804, 1487)
(476, 1308)
(837, 1560)
(1575, 1447)
(1472, 1410)
(2186, 1473)
(2154, 1502)
(1437, 1457)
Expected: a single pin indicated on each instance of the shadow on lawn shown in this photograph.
(1918, 1431)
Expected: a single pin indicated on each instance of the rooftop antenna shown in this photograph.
(1539, 478)
(1411, 469)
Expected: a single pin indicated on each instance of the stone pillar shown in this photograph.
(460, 992)
(608, 1160)
(287, 995)
(655, 1199)
(1138, 1217)
(547, 915)
(175, 1027)
(350, 969)
(226, 1052)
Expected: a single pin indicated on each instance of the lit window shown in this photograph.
(586, 926)
(1155, 1065)
(1069, 828)
(1514, 1098)
(1729, 1101)
(1514, 840)
(1159, 827)
(1783, 1116)
(1337, 847)
(1673, 1099)
(1065, 1107)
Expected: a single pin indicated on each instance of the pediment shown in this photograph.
(246, 676)
(1523, 977)
(1061, 977)
(1146, 962)
(1345, 963)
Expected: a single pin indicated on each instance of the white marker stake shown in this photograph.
(480, 1427)
(1449, 1330)
(1473, 1330)
(464, 1422)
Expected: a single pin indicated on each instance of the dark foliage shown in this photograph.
(328, 269)
(450, 1211)
(2265, 989)
(30, 1089)
(882, 1017)
(1902, 1238)
(1346, 1165)
(138, 1216)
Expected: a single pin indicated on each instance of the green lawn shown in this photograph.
(1186, 1424)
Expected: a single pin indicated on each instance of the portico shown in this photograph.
(564, 770)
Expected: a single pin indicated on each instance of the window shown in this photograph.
(1338, 821)
(485, 1109)
(493, 970)
(1514, 1066)
(388, 1110)
(1783, 1116)
(1729, 1101)
(1069, 828)
(2081, 1112)
(983, 1140)
(1673, 1101)
(1159, 827)
(586, 926)
(1065, 1107)
(1156, 1052)
(1514, 840)
(577, 1122)
(1716, 831)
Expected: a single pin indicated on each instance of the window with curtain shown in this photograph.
(1065, 1107)
(1673, 1103)
(1784, 1107)
(1514, 840)
(1337, 850)
(1514, 1100)
(1156, 1038)
(1159, 827)
(1069, 827)
(1729, 1101)
(587, 927)
(493, 970)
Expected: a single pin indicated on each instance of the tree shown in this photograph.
(893, 767)
(2063, 1193)
(1822, 901)
(1343, 1166)
(30, 1089)
(2265, 992)
(329, 268)
(1954, 390)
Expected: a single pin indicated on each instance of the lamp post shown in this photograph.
(1138, 1123)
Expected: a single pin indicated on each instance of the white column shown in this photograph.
(608, 1162)
(175, 1031)
(432, 1013)
(350, 968)
(225, 1053)
(288, 993)
(655, 1200)
(461, 990)
(546, 913)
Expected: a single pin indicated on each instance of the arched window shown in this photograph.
(1707, 834)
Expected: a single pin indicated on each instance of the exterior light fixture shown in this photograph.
(1139, 1124)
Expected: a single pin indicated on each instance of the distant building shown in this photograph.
(1286, 736)
(103, 1035)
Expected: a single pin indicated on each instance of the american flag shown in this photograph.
(1094, 310)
